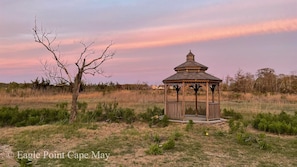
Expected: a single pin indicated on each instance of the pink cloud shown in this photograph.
(177, 35)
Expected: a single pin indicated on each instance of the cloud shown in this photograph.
(178, 35)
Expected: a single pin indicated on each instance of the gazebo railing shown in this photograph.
(191, 108)
(214, 111)
(174, 109)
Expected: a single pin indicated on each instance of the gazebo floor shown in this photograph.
(200, 119)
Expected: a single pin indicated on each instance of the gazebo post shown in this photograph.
(183, 103)
(207, 103)
(219, 99)
(165, 99)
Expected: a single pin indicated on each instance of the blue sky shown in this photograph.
(151, 37)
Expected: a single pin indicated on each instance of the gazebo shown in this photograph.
(191, 75)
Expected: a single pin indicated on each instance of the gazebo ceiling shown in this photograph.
(191, 71)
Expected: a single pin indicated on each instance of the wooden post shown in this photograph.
(207, 103)
(165, 99)
(219, 100)
(183, 103)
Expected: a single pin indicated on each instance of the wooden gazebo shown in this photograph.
(192, 75)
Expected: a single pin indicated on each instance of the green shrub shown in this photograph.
(231, 114)
(151, 112)
(282, 123)
(170, 144)
(129, 115)
(111, 113)
(176, 135)
(14, 117)
(155, 117)
(250, 139)
(190, 125)
(236, 126)
(154, 150)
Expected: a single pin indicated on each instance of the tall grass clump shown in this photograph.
(190, 125)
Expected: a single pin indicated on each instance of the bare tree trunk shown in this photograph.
(75, 93)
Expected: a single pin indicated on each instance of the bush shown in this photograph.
(250, 139)
(14, 117)
(111, 113)
(282, 123)
(231, 114)
(169, 144)
(236, 126)
(154, 150)
(155, 117)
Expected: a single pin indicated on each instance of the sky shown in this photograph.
(150, 37)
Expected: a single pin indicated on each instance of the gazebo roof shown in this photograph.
(191, 64)
(191, 71)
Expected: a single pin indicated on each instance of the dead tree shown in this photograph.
(87, 63)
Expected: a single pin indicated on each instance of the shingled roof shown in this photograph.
(191, 71)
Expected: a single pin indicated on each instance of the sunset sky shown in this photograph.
(151, 37)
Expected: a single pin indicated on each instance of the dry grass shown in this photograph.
(128, 143)
(141, 100)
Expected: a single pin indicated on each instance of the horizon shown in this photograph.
(150, 39)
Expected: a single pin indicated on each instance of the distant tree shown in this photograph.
(242, 82)
(87, 62)
(287, 83)
(266, 80)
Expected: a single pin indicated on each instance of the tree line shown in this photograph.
(45, 85)
(264, 81)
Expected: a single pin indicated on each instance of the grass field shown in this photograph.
(88, 144)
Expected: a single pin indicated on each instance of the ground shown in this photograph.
(128, 144)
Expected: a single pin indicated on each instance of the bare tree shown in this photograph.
(87, 63)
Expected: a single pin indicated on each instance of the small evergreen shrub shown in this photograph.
(154, 150)
(170, 144)
(281, 123)
(236, 126)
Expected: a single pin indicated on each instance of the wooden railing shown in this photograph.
(174, 109)
(214, 111)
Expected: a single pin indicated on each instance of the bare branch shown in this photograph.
(41, 37)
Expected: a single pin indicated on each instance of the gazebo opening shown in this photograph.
(195, 92)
